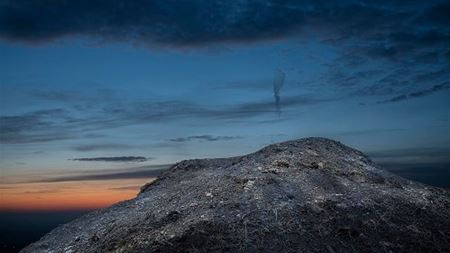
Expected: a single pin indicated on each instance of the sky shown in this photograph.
(97, 98)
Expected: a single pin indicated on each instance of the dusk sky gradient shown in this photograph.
(93, 92)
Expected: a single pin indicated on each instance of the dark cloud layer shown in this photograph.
(437, 15)
(130, 173)
(435, 174)
(32, 127)
(113, 159)
(420, 153)
(427, 165)
(417, 94)
(405, 44)
(59, 124)
(205, 137)
(104, 146)
(200, 22)
(127, 188)
(171, 22)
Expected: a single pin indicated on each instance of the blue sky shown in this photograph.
(185, 85)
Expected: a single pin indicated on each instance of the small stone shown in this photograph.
(249, 185)
(314, 165)
(311, 152)
(68, 249)
(274, 170)
(281, 163)
(320, 164)
(95, 238)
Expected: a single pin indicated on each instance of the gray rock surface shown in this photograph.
(307, 195)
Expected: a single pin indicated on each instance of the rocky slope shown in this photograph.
(307, 195)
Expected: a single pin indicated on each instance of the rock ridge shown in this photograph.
(307, 195)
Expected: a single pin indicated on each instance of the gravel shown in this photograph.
(306, 195)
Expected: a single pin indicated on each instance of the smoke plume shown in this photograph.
(278, 83)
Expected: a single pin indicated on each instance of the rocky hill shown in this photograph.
(307, 195)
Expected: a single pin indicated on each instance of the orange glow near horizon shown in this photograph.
(65, 196)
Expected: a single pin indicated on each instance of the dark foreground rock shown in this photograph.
(307, 195)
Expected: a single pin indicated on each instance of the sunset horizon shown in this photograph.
(101, 98)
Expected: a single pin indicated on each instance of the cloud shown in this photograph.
(384, 36)
(433, 173)
(428, 165)
(421, 153)
(203, 22)
(91, 98)
(128, 173)
(55, 95)
(113, 159)
(260, 108)
(48, 191)
(58, 124)
(431, 75)
(33, 126)
(104, 146)
(253, 86)
(368, 132)
(127, 188)
(436, 15)
(417, 94)
(148, 22)
(205, 138)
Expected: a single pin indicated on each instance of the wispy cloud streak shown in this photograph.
(151, 171)
(205, 137)
(417, 94)
(104, 146)
(113, 159)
